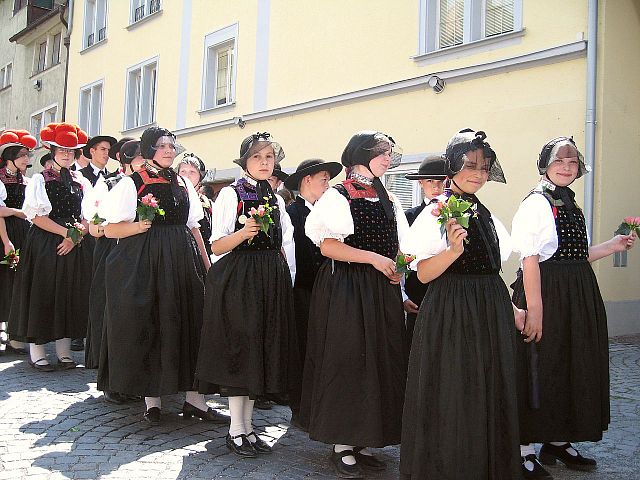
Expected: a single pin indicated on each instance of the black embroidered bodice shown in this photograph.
(248, 198)
(572, 235)
(15, 189)
(175, 204)
(308, 255)
(373, 231)
(66, 201)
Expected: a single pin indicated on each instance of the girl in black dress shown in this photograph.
(248, 345)
(15, 154)
(566, 324)
(355, 369)
(154, 284)
(51, 289)
(460, 419)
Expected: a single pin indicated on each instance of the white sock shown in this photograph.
(153, 402)
(247, 415)
(572, 451)
(37, 352)
(236, 410)
(349, 459)
(527, 449)
(16, 344)
(197, 400)
(63, 348)
(365, 451)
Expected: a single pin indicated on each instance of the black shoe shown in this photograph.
(152, 416)
(77, 344)
(113, 397)
(259, 445)
(369, 462)
(17, 351)
(550, 453)
(45, 367)
(66, 365)
(245, 449)
(131, 398)
(538, 472)
(263, 404)
(342, 469)
(210, 415)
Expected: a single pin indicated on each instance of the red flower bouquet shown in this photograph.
(11, 259)
(402, 263)
(148, 208)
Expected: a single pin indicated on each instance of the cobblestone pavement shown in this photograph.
(55, 426)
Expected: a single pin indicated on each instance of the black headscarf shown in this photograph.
(9, 155)
(148, 150)
(360, 151)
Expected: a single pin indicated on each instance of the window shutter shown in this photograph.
(498, 17)
(401, 187)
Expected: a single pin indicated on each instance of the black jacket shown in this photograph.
(87, 172)
(308, 256)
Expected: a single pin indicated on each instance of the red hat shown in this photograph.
(66, 135)
(16, 138)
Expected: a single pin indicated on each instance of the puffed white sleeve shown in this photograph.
(3, 194)
(533, 229)
(196, 213)
(423, 238)
(401, 219)
(119, 205)
(288, 244)
(223, 218)
(92, 198)
(504, 239)
(330, 218)
(36, 200)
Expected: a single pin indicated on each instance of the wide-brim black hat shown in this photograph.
(432, 168)
(86, 150)
(115, 148)
(310, 167)
(279, 174)
(45, 158)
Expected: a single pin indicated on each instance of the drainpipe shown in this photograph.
(590, 125)
(67, 42)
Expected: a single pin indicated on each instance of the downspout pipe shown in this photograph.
(67, 42)
(590, 118)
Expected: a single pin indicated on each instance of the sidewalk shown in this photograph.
(56, 426)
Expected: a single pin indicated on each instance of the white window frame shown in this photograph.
(403, 169)
(213, 43)
(88, 119)
(473, 26)
(47, 115)
(91, 26)
(53, 49)
(6, 75)
(137, 120)
(146, 6)
(36, 57)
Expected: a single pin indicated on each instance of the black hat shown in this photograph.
(97, 139)
(149, 138)
(309, 167)
(277, 172)
(115, 148)
(431, 168)
(467, 140)
(256, 142)
(551, 148)
(129, 151)
(45, 158)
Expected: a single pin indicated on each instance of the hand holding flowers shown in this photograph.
(402, 263)
(148, 208)
(629, 224)
(76, 232)
(453, 209)
(262, 217)
(11, 259)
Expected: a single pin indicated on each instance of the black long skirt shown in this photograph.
(249, 344)
(573, 358)
(50, 297)
(103, 247)
(17, 229)
(153, 315)
(355, 369)
(460, 414)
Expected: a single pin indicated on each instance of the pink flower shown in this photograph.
(636, 221)
(253, 211)
(630, 220)
(409, 258)
(261, 210)
(150, 201)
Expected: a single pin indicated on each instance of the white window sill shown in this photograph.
(97, 44)
(217, 108)
(471, 48)
(133, 25)
(42, 72)
(139, 128)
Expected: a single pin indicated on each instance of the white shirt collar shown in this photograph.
(306, 202)
(95, 169)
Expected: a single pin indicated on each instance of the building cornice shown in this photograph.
(555, 54)
(34, 25)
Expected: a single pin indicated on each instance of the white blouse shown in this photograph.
(424, 239)
(36, 201)
(120, 203)
(3, 194)
(331, 218)
(92, 200)
(533, 228)
(225, 214)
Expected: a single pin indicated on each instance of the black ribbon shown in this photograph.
(566, 195)
(383, 198)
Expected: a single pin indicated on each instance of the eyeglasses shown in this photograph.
(65, 150)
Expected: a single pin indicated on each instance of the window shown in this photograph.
(41, 57)
(450, 23)
(41, 119)
(90, 115)
(407, 191)
(55, 49)
(142, 8)
(95, 22)
(19, 5)
(5, 75)
(219, 79)
(141, 94)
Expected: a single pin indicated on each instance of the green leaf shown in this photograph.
(463, 221)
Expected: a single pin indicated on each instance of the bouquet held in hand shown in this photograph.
(148, 208)
(402, 263)
(262, 216)
(455, 208)
(75, 232)
(11, 259)
(629, 224)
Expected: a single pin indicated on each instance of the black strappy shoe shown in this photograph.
(344, 470)
(45, 367)
(550, 453)
(245, 449)
(66, 363)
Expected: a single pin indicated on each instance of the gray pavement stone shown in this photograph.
(56, 426)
